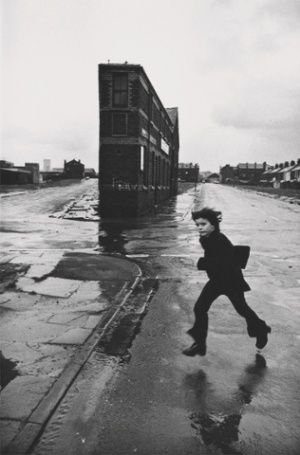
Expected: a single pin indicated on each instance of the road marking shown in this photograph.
(175, 255)
(137, 255)
(159, 255)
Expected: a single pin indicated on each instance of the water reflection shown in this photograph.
(114, 234)
(218, 429)
(8, 371)
(112, 238)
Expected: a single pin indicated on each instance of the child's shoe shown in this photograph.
(262, 336)
(195, 348)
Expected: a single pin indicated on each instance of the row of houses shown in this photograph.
(242, 172)
(283, 175)
(19, 175)
(30, 173)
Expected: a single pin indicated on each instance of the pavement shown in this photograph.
(55, 307)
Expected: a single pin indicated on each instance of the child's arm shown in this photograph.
(202, 264)
(220, 257)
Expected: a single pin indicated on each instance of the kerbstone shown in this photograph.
(22, 395)
(73, 336)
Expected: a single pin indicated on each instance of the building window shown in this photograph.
(119, 124)
(153, 169)
(142, 158)
(120, 90)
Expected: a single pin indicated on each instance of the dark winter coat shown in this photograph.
(220, 263)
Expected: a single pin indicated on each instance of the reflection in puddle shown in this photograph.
(112, 237)
(8, 371)
(222, 430)
(112, 242)
(218, 430)
(113, 231)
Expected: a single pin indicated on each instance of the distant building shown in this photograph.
(73, 169)
(52, 176)
(250, 172)
(213, 178)
(243, 173)
(35, 169)
(15, 176)
(286, 171)
(295, 172)
(285, 175)
(90, 172)
(46, 165)
(19, 175)
(139, 142)
(228, 174)
(4, 163)
(188, 172)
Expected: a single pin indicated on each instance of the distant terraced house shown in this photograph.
(284, 175)
(243, 173)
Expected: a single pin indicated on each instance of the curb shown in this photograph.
(34, 426)
(16, 193)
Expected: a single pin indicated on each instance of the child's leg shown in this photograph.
(208, 295)
(256, 327)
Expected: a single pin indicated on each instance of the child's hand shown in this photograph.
(201, 264)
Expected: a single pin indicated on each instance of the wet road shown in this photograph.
(27, 223)
(152, 400)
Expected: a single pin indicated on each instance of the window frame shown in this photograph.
(119, 91)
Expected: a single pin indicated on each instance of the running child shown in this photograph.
(225, 277)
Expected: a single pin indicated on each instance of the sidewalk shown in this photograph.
(55, 307)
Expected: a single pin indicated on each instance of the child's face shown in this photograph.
(204, 226)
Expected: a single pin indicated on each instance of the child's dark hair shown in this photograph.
(213, 216)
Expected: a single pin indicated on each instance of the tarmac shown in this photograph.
(57, 305)
(55, 308)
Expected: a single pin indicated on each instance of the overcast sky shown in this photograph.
(231, 66)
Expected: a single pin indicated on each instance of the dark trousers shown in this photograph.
(209, 293)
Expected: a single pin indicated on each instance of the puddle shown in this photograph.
(9, 274)
(221, 431)
(8, 371)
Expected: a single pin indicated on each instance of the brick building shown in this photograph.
(35, 169)
(73, 169)
(250, 172)
(228, 173)
(139, 142)
(188, 172)
(243, 172)
(19, 175)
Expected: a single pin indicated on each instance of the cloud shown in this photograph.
(287, 11)
(231, 66)
(261, 108)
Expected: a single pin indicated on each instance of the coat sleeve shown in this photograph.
(221, 265)
(202, 264)
(220, 260)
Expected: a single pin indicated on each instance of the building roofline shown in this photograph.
(136, 67)
(16, 169)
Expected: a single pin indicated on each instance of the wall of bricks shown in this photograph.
(141, 128)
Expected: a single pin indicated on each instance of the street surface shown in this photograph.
(137, 393)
